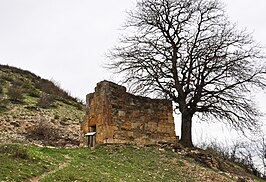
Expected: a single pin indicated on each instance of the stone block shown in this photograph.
(126, 125)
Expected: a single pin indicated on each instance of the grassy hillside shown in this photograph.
(36, 110)
(108, 163)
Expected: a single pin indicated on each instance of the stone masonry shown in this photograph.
(120, 117)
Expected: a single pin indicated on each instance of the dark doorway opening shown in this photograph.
(93, 128)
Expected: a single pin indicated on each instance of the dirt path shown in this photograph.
(61, 166)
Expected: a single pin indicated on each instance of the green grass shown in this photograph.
(21, 162)
(117, 163)
(104, 163)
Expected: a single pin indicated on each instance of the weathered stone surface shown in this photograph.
(120, 117)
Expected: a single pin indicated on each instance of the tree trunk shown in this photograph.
(186, 126)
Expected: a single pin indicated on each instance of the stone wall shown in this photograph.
(120, 117)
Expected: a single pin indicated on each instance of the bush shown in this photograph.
(34, 93)
(29, 88)
(17, 83)
(3, 104)
(27, 85)
(46, 100)
(15, 151)
(44, 131)
(15, 94)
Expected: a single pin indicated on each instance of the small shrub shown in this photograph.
(15, 94)
(15, 151)
(46, 100)
(34, 93)
(26, 84)
(17, 83)
(3, 104)
(44, 131)
(29, 88)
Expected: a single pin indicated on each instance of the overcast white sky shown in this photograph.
(66, 40)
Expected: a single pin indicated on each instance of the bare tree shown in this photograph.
(188, 51)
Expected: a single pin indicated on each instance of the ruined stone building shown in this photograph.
(115, 116)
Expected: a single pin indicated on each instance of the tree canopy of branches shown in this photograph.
(189, 52)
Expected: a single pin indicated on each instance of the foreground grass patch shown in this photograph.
(20, 162)
(104, 163)
(116, 163)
